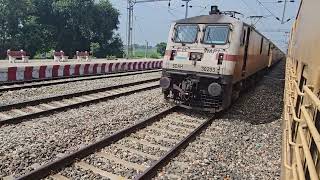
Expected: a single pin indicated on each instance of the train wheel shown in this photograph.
(235, 95)
(165, 95)
(236, 92)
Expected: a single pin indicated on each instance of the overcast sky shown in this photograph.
(152, 20)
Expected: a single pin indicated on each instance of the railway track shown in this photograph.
(10, 86)
(17, 112)
(156, 140)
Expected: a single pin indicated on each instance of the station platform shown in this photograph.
(48, 69)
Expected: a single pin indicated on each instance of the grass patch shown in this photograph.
(152, 53)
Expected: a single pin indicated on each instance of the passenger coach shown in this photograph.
(209, 59)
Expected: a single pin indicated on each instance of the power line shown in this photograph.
(283, 21)
(253, 11)
(255, 19)
(274, 2)
(203, 9)
(250, 9)
(268, 10)
(276, 30)
(172, 13)
(169, 9)
(131, 4)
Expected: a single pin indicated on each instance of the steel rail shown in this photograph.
(20, 118)
(153, 169)
(10, 86)
(47, 169)
(149, 173)
(64, 96)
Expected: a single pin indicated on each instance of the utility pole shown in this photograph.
(187, 8)
(284, 11)
(146, 50)
(130, 7)
(129, 31)
(283, 21)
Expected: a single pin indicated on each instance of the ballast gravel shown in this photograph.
(109, 166)
(78, 173)
(129, 156)
(137, 149)
(33, 143)
(21, 95)
(244, 143)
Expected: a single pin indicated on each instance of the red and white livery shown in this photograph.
(209, 59)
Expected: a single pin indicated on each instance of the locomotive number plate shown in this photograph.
(210, 69)
(177, 66)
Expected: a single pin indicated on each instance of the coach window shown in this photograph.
(216, 34)
(261, 45)
(186, 33)
(243, 37)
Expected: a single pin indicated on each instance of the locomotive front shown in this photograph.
(199, 61)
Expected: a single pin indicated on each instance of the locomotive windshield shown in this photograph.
(216, 34)
(186, 33)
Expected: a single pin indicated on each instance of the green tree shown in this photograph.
(13, 15)
(161, 48)
(70, 25)
(113, 47)
(84, 21)
(94, 48)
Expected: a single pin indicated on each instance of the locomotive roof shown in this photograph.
(208, 19)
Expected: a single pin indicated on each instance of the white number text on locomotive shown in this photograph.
(210, 69)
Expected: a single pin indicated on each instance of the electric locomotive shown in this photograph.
(210, 58)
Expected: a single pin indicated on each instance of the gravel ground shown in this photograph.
(244, 143)
(129, 156)
(109, 166)
(60, 89)
(137, 148)
(28, 145)
(77, 173)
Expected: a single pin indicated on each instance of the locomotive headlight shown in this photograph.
(195, 56)
(214, 89)
(220, 58)
(165, 82)
(173, 54)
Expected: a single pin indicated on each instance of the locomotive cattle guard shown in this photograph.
(209, 59)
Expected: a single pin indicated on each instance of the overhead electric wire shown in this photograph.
(252, 11)
(255, 12)
(170, 9)
(203, 8)
(172, 13)
(249, 8)
(138, 24)
(271, 13)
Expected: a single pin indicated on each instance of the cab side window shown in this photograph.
(261, 45)
(243, 40)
